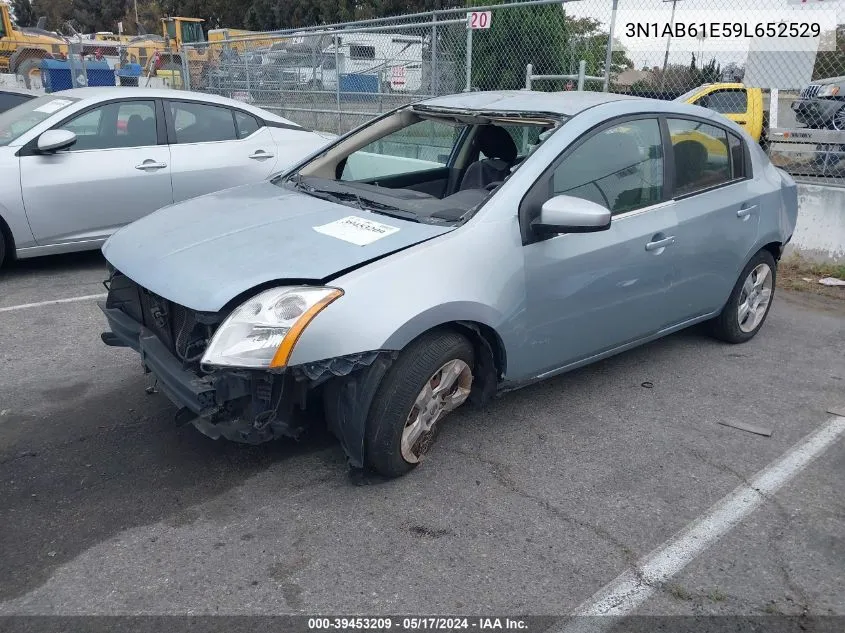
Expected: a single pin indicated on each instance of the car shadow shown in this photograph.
(82, 474)
(49, 265)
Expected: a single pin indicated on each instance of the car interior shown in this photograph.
(452, 174)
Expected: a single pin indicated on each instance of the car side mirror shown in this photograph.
(55, 140)
(568, 214)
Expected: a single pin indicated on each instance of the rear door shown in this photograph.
(117, 171)
(718, 208)
(215, 147)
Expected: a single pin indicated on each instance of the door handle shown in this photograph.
(150, 164)
(658, 244)
(260, 154)
(746, 211)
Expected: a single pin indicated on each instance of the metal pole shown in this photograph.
(582, 70)
(469, 59)
(609, 56)
(137, 21)
(433, 83)
(668, 42)
(529, 70)
(337, 82)
(186, 67)
(246, 68)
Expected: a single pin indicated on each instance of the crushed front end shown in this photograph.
(243, 405)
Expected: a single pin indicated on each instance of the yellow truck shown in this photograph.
(737, 102)
(23, 49)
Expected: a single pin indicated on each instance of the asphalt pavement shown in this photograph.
(530, 505)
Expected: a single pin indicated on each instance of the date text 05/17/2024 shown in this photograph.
(723, 30)
(416, 624)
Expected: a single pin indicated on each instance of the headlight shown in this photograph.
(829, 91)
(261, 333)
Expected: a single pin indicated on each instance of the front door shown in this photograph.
(117, 171)
(590, 293)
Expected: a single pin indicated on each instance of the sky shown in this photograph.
(651, 52)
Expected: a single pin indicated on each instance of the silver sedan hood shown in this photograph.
(204, 252)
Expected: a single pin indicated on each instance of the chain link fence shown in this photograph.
(333, 78)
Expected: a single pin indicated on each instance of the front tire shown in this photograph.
(750, 301)
(432, 377)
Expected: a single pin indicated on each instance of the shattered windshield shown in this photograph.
(424, 166)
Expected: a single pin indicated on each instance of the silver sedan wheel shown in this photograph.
(755, 298)
(445, 391)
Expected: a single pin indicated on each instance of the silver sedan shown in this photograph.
(447, 251)
(79, 164)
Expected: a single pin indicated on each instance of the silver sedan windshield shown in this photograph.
(21, 119)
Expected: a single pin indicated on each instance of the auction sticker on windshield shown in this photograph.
(355, 230)
(53, 106)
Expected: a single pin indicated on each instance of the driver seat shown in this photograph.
(500, 152)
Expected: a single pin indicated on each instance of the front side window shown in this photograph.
(115, 125)
(421, 146)
(726, 101)
(192, 32)
(620, 168)
(701, 155)
(202, 123)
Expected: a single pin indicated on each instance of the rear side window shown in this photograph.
(620, 168)
(246, 123)
(725, 101)
(702, 158)
(201, 123)
(737, 157)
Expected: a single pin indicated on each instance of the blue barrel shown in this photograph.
(56, 74)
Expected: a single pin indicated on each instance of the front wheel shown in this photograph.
(750, 301)
(432, 377)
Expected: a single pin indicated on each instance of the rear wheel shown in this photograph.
(432, 377)
(2, 248)
(750, 301)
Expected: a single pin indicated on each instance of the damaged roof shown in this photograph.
(566, 103)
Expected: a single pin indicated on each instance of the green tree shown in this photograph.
(517, 37)
(97, 15)
(22, 12)
(57, 12)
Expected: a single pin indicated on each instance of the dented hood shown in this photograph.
(204, 252)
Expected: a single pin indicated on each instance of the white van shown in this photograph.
(394, 60)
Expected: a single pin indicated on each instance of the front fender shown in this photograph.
(11, 202)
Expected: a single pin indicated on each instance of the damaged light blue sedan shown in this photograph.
(444, 252)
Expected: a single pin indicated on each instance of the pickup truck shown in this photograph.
(737, 102)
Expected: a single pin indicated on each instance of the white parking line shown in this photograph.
(623, 595)
(25, 306)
